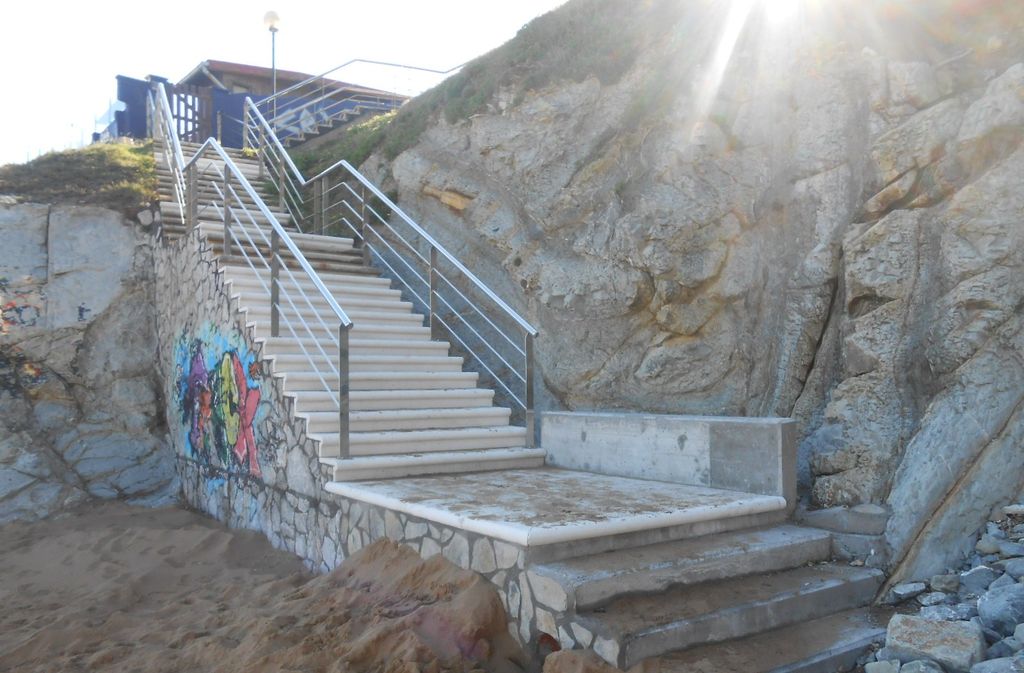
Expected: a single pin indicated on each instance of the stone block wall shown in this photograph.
(78, 390)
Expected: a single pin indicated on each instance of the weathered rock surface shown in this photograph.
(833, 237)
(78, 389)
(956, 646)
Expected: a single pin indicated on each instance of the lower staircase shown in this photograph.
(674, 577)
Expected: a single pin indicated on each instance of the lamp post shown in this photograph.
(270, 20)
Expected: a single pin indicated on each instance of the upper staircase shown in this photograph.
(683, 576)
(413, 410)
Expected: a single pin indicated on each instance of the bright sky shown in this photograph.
(60, 58)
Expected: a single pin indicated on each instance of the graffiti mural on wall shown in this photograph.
(218, 389)
(19, 306)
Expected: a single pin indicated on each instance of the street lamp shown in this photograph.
(270, 20)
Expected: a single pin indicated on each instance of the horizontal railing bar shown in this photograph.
(479, 336)
(483, 364)
(479, 312)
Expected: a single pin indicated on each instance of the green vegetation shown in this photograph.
(118, 176)
(357, 143)
(583, 38)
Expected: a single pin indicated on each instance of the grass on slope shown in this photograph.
(118, 176)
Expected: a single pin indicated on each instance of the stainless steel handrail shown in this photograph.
(231, 204)
(314, 78)
(425, 284)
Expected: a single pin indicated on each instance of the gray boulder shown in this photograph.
(1002, 609)
(977, 580)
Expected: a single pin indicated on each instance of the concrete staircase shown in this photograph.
(705, 577)
(723, 595)
(413, 408)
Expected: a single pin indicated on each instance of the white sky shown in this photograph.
(59, 58)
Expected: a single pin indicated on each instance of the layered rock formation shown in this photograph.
(78, 384)
(817, 216)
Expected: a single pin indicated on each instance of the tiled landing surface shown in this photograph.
(544, 506)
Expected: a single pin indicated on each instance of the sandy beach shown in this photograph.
(117, 588)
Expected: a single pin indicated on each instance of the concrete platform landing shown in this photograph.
(558, 513)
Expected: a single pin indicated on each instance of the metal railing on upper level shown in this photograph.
(232, 202)
(341, 201)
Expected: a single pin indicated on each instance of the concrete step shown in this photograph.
(360, 330)
(252, 285)
(589, 581)
(254, 296)
(319, 260)
(210, 211)
(301, 381)
(376, 400)
(640, 627)
(304, 241)
(824, 645)
(410, 419)
(341, 281)
(259, 309)
(291, 346)
(247, 166)
(441, 462)
(375, 363)
(423, 441)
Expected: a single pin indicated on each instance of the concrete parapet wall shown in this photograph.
(754, 455)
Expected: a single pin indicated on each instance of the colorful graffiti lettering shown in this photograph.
(219, 399)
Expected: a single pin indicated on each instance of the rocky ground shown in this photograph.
(970, 620)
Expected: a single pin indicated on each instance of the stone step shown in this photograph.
(423, 441)
(301, 381)
(410, 419)
(421, 464)
(371, 400)
(373, 363)
(291, 346)
(635, 628)
(586, 582)
(824, 645)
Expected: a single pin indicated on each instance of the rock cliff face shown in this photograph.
(825, 222)
(78, 393)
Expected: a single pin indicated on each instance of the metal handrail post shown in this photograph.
(262, 152)
(220, 126)
(324, 203)
(190, 199)
(531, 423)
(343, 390)
(364, 224)
(245, 127)
(275, 283)
(227, 213)
(435, 327)
(318, 210)
(281, 178)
